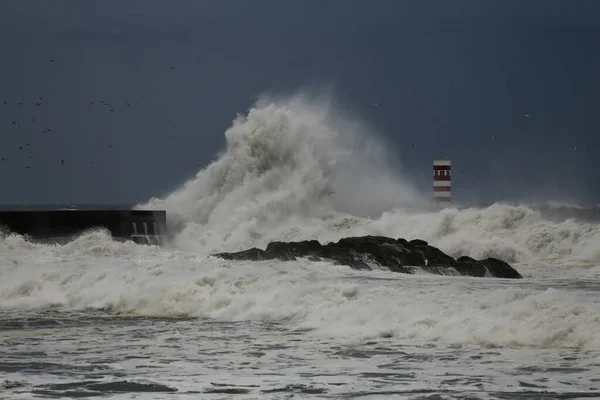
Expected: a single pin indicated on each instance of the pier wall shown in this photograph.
(140, 226)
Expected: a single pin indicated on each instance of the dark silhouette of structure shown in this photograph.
(63, 225)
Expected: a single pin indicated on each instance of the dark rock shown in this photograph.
(500, 268)
(253, 254)
(433, 255)
(470, 267)
(367, 252)
(417, 242)
(489, 266)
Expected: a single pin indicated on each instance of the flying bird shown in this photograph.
(62, 162)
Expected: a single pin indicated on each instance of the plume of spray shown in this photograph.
(298, 168)
(288, 161)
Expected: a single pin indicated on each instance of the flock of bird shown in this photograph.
(38, 103)
(45, 130)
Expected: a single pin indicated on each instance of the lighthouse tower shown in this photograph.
(442, 182)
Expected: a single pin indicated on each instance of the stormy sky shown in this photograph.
(455, 78)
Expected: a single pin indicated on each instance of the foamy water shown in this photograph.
(331, 301)
(103, 317)
(79, 313)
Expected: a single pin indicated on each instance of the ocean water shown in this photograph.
(100, 318)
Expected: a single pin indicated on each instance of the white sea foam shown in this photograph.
(297, 169)
(293, 170)
(333, 301)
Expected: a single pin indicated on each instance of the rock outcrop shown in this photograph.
(369, 252)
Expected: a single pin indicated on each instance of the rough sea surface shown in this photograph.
(164, 325)
(101, 318)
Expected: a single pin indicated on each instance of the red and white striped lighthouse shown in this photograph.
(441, 182)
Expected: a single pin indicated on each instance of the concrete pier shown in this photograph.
(61, 226)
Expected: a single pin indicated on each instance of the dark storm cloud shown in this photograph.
(86, 35)
(447, 76)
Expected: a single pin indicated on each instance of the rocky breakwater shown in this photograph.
(369, 252)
